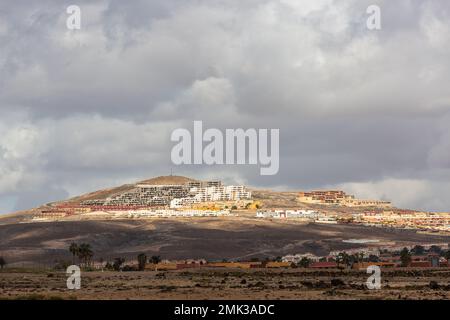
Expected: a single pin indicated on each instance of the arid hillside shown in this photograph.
(239, 236)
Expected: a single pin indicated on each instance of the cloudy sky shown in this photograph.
(366, 111)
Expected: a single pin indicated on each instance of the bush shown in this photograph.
(118, 262)
(129, 268)
(337, 282)
(434, 285)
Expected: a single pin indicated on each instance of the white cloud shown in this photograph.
(405, 193)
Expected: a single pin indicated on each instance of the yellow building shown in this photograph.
(160, 266)
(273, 264)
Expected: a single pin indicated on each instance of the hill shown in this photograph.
(240, 236)
(17, 217)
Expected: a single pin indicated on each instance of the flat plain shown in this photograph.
(223, 284)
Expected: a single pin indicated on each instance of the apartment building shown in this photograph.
(338, 197)
(221, 193)
(411, 220)
(175, 196)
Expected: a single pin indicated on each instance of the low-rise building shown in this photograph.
(296, 258)
(275, 264)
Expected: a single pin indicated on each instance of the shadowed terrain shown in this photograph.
(209, 238)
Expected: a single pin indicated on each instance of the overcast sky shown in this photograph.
(366, 111)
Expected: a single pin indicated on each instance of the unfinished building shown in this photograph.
(173, 195)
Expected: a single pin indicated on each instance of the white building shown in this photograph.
(221, 193)
(367, 252)
(280, 214)
(167, 213)
(183, 202)
(296, 258)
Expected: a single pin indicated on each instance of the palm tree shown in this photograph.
(85, 253)
(74, 251)
(142, 260)
(405, 257)
(2, 262)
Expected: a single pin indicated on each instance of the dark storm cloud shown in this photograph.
(364, 110)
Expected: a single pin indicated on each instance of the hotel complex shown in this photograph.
(214, 199)
(336, 197)
(194, 198)
(175, 196)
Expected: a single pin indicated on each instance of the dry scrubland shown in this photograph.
(228, 284)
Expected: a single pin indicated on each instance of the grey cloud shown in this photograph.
(358, 109)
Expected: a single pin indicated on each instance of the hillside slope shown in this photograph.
(99, 194)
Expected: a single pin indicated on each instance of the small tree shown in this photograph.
(419, 250)
(405, 257)
(118, 262)
(435, 249)
(109, 266)
(2, 262)
(343, 258)
(142, 260)
(155, 259)
(357, 257)
(304, 262)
